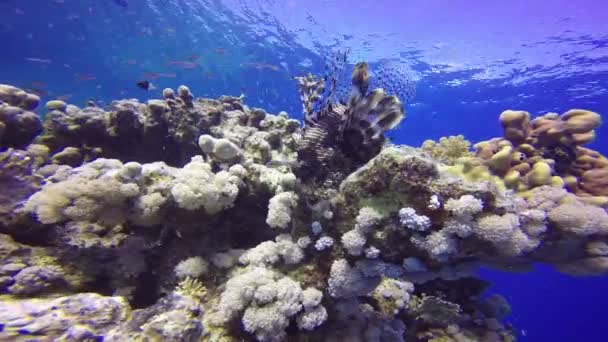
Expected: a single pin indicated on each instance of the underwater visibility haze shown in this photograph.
(289, 170)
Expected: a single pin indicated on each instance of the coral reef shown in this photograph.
(18, 124)
(187, 219)
(548, 150)
(448, 149)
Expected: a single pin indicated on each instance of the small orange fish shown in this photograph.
(38, 60)
(85, 77)
(64, 97)
(37, 91)
(131, 61)
(151, 75)
(183, 64)
(38, 84)
(193, 58)
(261, 66)
(220, 51)
(167, 75)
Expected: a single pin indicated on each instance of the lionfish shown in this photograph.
(354, 129)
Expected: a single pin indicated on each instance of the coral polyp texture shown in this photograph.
(189, 219)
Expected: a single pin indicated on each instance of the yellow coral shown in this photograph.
(512, 179)
(448, 149)
(540, 174)
(501, 160)
(557, 182)
(192, 288)
(473, 170)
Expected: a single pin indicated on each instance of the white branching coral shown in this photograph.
(394, 291)
(269, 252)
(413, 221)
(226, 259)
(192, 267)
(240, 291)
(196, 186)
(464, 207)
(304, 241)
(101, 191)
(354, 240)
(504, 232)
(312, 318)
(462, 212)
(496, 228)
(311, 297)
(269, 322)
(276, 180)
(459, 227)
(314, 314)
(323, 243)
(580, 219)
(434, 203)
(439, 244)
(148, 207)
(372, 252)
(533, 222)
(279, 209)
(268, 301)
(367, 219)
(221, 149)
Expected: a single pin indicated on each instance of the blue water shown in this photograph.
(470, 61)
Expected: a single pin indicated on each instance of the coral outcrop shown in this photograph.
(186, 219)
(18, 123)
(548, 150)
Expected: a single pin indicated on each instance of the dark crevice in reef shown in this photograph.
(454, 290)
(146, 293)
(166, 150)
(102, 284)
(31, 234)
(246, 227)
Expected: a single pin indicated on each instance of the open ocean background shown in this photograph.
(470, 60)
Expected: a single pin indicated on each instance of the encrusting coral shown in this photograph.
(448, 149)
(245, 226)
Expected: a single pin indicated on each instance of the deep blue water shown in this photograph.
(470, 62)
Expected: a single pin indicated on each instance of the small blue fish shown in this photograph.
(122, 3)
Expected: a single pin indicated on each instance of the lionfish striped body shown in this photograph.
(355, 130)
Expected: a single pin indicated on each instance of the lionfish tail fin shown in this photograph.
(376, 113)
(311, 91)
